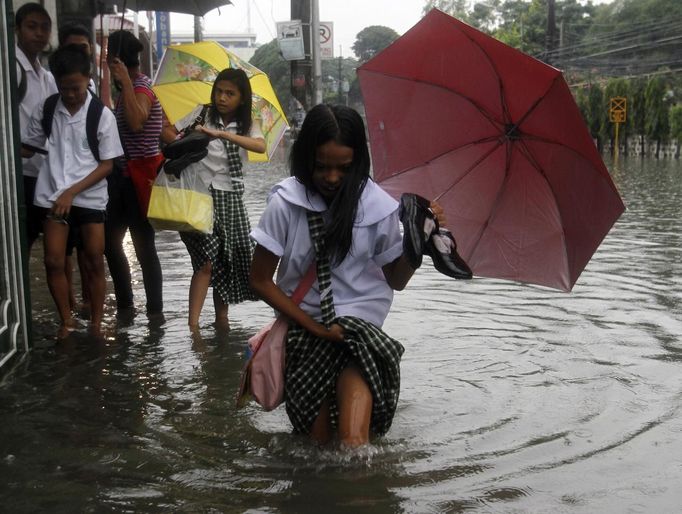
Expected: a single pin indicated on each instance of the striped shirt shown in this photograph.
(138, 145)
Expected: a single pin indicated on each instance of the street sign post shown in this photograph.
(617, 115)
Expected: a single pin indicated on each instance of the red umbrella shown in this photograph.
(497, 138)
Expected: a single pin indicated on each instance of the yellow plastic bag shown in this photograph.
(181, 204)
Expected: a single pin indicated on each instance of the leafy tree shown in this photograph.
(582, 100)
(269, 60)
(330, 74)
(596, 113)
(637, 110)
(372, 40)
(485, 15)
(513, 20)
(657, 112)
(634, 37)
(457, 8)
(676, 126)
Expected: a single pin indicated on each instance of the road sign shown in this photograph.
(290, 39)
(618, 109)
(326, 39)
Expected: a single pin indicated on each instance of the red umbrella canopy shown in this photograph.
(496, 137)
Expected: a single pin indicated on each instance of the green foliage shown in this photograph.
(676, 122)
(372, 40)
(596, 108)
(633, 37)
(457, 8)
(581, 99)
(269, 60)
(484, 15)
(637, 106)
(331, 77)
(657, 121)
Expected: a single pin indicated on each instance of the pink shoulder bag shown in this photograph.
(263, 375)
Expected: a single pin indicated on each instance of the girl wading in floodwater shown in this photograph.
(342, 371)
(222, 259)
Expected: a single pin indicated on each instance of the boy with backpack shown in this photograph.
(77, 34)
(81, 140)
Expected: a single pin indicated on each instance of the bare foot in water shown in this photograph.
(67, 326)
(95, 330)
(222, 325)
(198, 344)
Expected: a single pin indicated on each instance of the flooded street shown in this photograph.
(514, 398)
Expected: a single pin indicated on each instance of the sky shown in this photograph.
(349, 17)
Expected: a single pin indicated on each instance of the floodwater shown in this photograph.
(514, 398)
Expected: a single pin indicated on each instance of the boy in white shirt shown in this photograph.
(71, 185)
(34, 84)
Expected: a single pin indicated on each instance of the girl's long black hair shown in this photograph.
(343, 125)
(243, 115)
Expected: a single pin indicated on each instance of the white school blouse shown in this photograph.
(358, 283)
(39, 85)
(213, 168)
(69, 158)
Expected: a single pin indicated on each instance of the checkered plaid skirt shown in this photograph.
(313, 365)
(228, 248)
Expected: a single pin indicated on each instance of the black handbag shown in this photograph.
(193, 142)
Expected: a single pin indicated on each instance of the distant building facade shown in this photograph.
(243, 45)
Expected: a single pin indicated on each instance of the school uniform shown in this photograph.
(355, 295)
(211, 168)
(69, 157)
(39, 85)
(228, 248)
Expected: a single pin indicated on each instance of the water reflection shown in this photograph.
(514, 397)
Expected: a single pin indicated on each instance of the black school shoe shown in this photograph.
(419, 224)
(442, 249)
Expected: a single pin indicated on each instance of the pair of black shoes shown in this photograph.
(182, 152)
(422, 235)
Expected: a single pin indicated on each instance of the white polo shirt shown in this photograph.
(213, 168)
(358, 283)
(39, 85)
(69, 158)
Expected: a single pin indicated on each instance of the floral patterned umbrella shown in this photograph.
(185, 77)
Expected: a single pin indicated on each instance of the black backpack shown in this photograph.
(91, 120)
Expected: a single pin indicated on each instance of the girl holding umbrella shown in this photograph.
(222, 259)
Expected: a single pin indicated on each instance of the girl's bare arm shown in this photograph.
(263, 268)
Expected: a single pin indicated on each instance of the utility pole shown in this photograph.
(340, 91)
(198, 30)
(315, 51)
(249, 28)
(560, 51)
(150, 22)
(301, 71)
(551, 30)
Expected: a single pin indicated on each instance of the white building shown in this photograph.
(243, 45)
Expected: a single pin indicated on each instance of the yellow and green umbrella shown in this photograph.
(185, 77)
